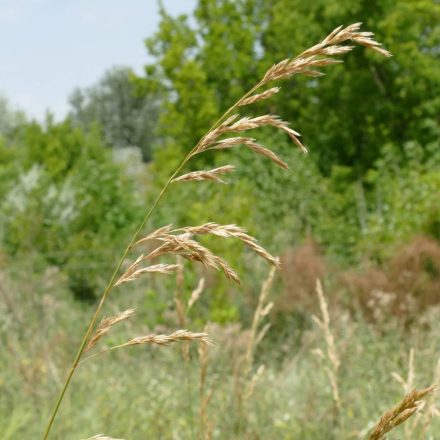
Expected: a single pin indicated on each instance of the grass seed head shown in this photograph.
(106, 324)
(400, 412)
(259, 96)
(177, 336)
(212, 175)
(134, 273)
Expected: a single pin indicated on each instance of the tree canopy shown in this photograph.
(202, 64)
(127, 119)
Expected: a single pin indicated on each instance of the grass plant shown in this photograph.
(183, 243)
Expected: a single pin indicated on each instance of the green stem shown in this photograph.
(121, 260)
(101, 302)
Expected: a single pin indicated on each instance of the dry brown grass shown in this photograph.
(317, 55)
(300, 268)
(181, 242)
(205, 395)
(245, 375)
(411, 404)
(404, 286)
(431, 409)
(330, 357)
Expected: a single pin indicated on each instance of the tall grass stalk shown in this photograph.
(331, 357)
(111, 283)
(319, 55)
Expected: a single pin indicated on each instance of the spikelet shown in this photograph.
(132, 273)
(248, 123)
(232, 231)
(319, 55)
(324, 325)
(214, 134)
(195, 294)
(155, 234)
(253, 382)
(177, 336)
(251, 144)
(263, 151)
(192, 250)
(106, 324)
(184, 245)
(259, 96)
(330, 46)
(206, 175)
(245, 381)
(399, 413)
(407, 384)
(230, 142)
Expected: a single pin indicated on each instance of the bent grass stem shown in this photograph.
(110, 285)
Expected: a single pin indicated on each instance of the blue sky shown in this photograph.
(49, 47)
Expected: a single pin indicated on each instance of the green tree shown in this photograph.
(205, 63)
(10, 118)
(350, 119)
(65, 201)
(360, 108)
(126, 118)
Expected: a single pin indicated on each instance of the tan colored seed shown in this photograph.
(206, 175)
(106, 324)
(259, 96)
(177, 336)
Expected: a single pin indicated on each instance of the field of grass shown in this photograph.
(150, 392)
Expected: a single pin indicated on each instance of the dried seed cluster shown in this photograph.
(181, 242)
(206, 175)
(177, 336)
(106, 324)
(399, 413)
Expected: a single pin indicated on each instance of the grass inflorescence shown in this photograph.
(152, 251)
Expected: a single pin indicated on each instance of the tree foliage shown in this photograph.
(345, 192)
(346, 117)
(126, 118)
(10, 118)
(64, 200)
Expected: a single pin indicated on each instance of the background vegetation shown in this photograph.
(361, 212)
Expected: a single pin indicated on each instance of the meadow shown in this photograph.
(152, 393)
